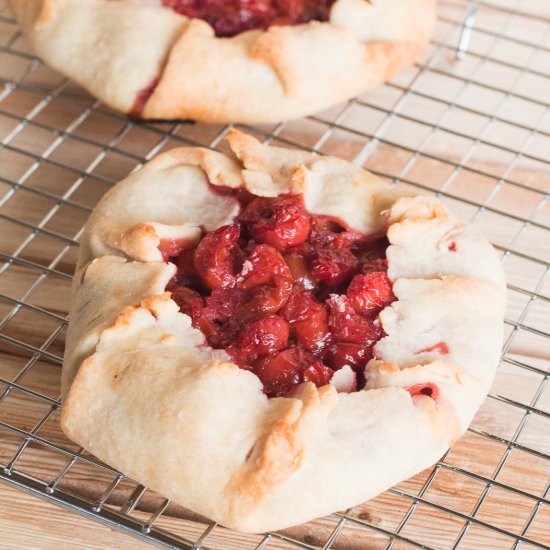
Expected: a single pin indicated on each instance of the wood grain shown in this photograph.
(51, 528)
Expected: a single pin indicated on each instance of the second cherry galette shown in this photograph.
(226, 60)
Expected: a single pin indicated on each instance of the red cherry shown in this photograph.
(334, 266)
(222, 334)
(427, 389)
(218, 257)
(267, 335)
(340, 354)
(186, 274)
(372, 251)
(318, 373)
(203, 320)
(348, 326)
(280, 373)
(263, 263)
(240, 358)
(189, 301)
(327, 233)
(301, 271)
(221, 318)
(324, 231)
(267, 279)
(377, 264)
(170, 248)
(308, 319)
(227, 302)
(370, 292)
(281, 222)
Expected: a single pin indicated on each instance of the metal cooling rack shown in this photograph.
(469, 123)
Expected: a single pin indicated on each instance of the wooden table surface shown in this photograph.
(28, 522)
(80, 169)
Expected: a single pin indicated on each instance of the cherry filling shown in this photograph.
(230, 17)
(291, 296)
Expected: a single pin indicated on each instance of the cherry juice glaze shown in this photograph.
(230, 17)
(142, 98)
(427, 389)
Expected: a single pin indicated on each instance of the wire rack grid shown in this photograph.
(469, 123)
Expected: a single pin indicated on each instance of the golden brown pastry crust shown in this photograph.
(144, 393)
(116, 49)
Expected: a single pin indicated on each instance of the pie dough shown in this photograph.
(145, 394)
(122, 51)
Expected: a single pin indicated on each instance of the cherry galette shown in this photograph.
(272, 336)
(226, 60)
